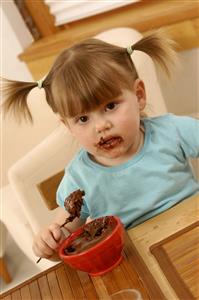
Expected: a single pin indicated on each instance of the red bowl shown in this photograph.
(99, 258)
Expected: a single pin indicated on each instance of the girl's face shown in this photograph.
(111, 133)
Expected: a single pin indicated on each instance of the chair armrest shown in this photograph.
(46, 159)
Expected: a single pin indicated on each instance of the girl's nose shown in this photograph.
(102, 126)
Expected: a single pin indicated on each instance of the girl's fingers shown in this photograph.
(48, 240)
(41, 249)
(56, 232)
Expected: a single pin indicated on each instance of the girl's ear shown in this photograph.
(140, 92)
(64, 122)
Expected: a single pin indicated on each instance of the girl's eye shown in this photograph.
(110, 106)
(83, 119)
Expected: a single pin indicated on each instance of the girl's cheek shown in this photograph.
(79, 134)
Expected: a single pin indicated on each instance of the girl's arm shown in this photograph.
(187, 130)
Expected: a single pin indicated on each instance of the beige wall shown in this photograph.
(181, 92)
(18, 139)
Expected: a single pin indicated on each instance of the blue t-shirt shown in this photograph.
(153, 180)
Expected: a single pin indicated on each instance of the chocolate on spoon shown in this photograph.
(72, 204)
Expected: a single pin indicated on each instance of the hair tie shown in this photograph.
(40, 83)
(129, 50)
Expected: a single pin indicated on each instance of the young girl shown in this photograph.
(130, 165)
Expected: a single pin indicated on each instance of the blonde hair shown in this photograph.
(87, 74)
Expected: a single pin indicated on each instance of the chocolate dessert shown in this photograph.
(73, 204)
(92, 233)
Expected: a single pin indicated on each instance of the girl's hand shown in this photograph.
(47, 241)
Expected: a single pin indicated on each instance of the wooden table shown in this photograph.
(145, 235)
(139, 269)
(63, 282)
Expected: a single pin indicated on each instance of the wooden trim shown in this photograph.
(32, 26)
(167, 266)
(173, 236)
(183, 33)
(35, 277)
(145, 275)
(4, 273)
(39, 11)
(143, 16)
(172, 275)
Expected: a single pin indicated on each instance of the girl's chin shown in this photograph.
(109, 156)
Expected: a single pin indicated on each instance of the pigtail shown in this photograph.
(15, 94)
(160, 48)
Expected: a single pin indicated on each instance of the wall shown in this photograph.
(18, 139)
(181, 91)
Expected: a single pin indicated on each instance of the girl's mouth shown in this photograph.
(109, 142)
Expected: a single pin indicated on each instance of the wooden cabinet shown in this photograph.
(178, 18)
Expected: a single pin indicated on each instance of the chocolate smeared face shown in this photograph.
(109, 142)
(111, 133)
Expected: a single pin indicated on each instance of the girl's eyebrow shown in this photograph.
(113, 99)
(116, 98)
(80, 115)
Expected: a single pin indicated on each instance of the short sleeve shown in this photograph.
(65, 188)
(187, 129)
